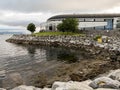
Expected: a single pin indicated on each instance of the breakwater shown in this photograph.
(111, 43)
(66, 41)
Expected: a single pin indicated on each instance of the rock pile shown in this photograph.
(110, 82)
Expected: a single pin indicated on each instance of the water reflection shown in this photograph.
(61, 54)
(31, 51)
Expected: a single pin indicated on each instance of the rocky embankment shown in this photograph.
(111, 43)
(106, 56)
(110, 81)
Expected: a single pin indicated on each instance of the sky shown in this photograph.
(17, 14)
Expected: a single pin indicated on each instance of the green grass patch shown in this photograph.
(57, 33)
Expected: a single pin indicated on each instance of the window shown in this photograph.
(89, 19)
(99, 19)
(81, 19)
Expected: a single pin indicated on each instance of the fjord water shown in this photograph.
(27, 60)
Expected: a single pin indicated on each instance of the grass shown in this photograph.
(57, 33)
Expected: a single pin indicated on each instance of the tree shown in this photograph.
(68, 25)
(31, 27)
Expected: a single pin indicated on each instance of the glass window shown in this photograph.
(99, 19)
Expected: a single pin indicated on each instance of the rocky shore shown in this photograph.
(110, 81)
(105, 57)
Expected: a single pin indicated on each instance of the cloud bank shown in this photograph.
(22, 12)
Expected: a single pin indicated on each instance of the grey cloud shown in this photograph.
(23, 23)
(48, 6)
(56, 5)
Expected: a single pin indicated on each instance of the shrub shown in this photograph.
(68, 25)
(31, 27)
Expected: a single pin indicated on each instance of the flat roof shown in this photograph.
(84, 16)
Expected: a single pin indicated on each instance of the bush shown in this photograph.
(31, 27)
(68, 25)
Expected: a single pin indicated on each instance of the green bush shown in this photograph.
(68, 25)
(31, 27)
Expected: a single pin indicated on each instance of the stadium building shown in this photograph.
(86, 21)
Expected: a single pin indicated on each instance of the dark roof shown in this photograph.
(84, 16)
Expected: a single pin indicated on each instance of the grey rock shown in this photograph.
(105, 82)
(24, 87)
(2, 89)
(105, 89)
(71, 86)
(115, 75)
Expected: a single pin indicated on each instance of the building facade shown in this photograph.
(86, 21)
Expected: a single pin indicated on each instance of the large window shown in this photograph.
(89, 19)
(81, 20)
(99, 19)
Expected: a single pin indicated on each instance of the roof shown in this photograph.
(84, 16)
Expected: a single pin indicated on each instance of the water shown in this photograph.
(27, 60)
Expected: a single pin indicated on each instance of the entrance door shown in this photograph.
(109, 24)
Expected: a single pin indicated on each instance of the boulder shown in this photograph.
(105, 89)
(105, 82)
(70, 86)
(58, 84)
(2, 89)
(45, 89)
(24, 87)
(77, 86)
(115, 75)
(87, 82)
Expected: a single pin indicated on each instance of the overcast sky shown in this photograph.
(19, 13)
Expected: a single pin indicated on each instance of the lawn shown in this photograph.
(57, 33)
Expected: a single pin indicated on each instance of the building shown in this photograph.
(86, 21)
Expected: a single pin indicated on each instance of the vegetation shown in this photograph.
(68, 25)
(31, 27)
(57, 33)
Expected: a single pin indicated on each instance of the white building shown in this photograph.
(86, 21)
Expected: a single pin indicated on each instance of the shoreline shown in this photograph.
(103, 58)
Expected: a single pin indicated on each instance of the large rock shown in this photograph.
(45, 89)
(2, 89)
(115, 75)
(105, 82)
(24, 87)
(105, 89)
(58, 84)
(70, 86)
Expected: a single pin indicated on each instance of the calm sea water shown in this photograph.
(27, 60)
